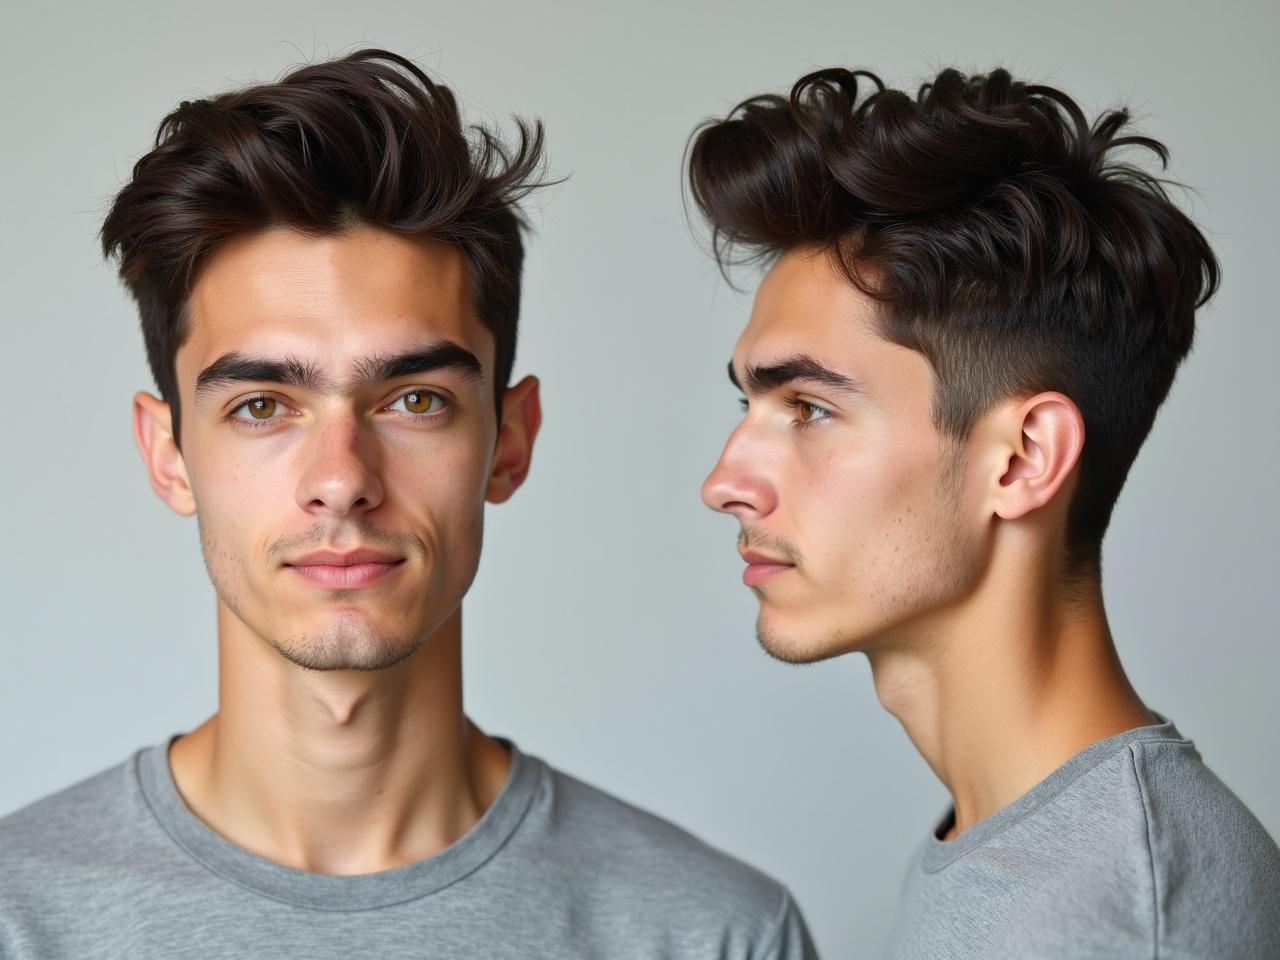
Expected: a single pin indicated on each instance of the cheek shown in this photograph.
(868, 506)
(443, 478)
(442, 496)
(235, 496)
(237, 512)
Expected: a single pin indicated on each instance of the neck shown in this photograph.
(340, 772)
(998, 691)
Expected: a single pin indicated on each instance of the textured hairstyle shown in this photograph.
(365, 139)
(1000, 234)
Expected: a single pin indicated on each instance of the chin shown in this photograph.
(801, 639)
(791, 646)
(347, 647)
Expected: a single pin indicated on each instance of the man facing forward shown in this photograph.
(972, 314)
(328, 274)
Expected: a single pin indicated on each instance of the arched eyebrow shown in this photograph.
(235, 367)
(800, 368)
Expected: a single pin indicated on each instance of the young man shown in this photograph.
(972, 314)
(328, 275)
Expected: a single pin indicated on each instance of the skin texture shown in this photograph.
(340, 744)
(853, 493)
(941, 561)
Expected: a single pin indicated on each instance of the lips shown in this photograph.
(762, 567)
(332, 558)
(353, 569)
(754, 557)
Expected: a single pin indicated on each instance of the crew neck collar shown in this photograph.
(318, 891)
(942, 853)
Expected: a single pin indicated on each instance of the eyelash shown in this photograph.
(249, 423)
(795, 403)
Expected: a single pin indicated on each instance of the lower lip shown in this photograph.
(758, 573)
(352, 576)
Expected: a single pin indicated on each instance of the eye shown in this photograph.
(810, 413)
(260, 408)
(421, 402)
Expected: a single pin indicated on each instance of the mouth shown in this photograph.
(346, 571)
(761, 567)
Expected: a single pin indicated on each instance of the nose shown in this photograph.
(341, 476)
(737, 484)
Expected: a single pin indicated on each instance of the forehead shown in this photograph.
(806, 305)
(331, 298)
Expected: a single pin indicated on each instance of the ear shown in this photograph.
(1041, 442)
(521, 417)
(153, 432)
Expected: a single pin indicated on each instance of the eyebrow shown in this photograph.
(235, 367)
(801, 367)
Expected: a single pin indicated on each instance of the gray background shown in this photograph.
(608, 630)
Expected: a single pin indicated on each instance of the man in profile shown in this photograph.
(972, 312)
(328, 275)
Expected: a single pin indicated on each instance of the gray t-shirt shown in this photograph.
(1132, 848)
(117, 866)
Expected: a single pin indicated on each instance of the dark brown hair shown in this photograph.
(365, 139)
(1000, 233)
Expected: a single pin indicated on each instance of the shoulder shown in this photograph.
(648, 842)
(58, 855)
(1215, 868)
(1192, 814)
(70, 827)
(626, 857)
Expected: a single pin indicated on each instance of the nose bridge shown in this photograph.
(341, 471)
(733, 456)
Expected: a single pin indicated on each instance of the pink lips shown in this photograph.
(345, 571)
(761, 568)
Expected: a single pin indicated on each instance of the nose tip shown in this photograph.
(340, 498)
(712, 492)
(727, 491)
(342, 477)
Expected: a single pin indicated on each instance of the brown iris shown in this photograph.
(261, 408)
(417, 402)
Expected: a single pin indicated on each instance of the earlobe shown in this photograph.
(153, 433)
(517, 430)
(1045, 441)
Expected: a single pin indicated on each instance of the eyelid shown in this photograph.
(260, 395)
(795, 402)
(798, 399)
(447, 402)
(405, 391)
(792, 400)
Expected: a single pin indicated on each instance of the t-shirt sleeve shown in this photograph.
(1215, 870)
(790, 938)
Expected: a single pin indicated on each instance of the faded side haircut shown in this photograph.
(1002, 234)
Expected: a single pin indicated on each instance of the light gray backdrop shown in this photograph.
(608, 630)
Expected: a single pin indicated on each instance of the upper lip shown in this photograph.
(332, 558)
(751, 556)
